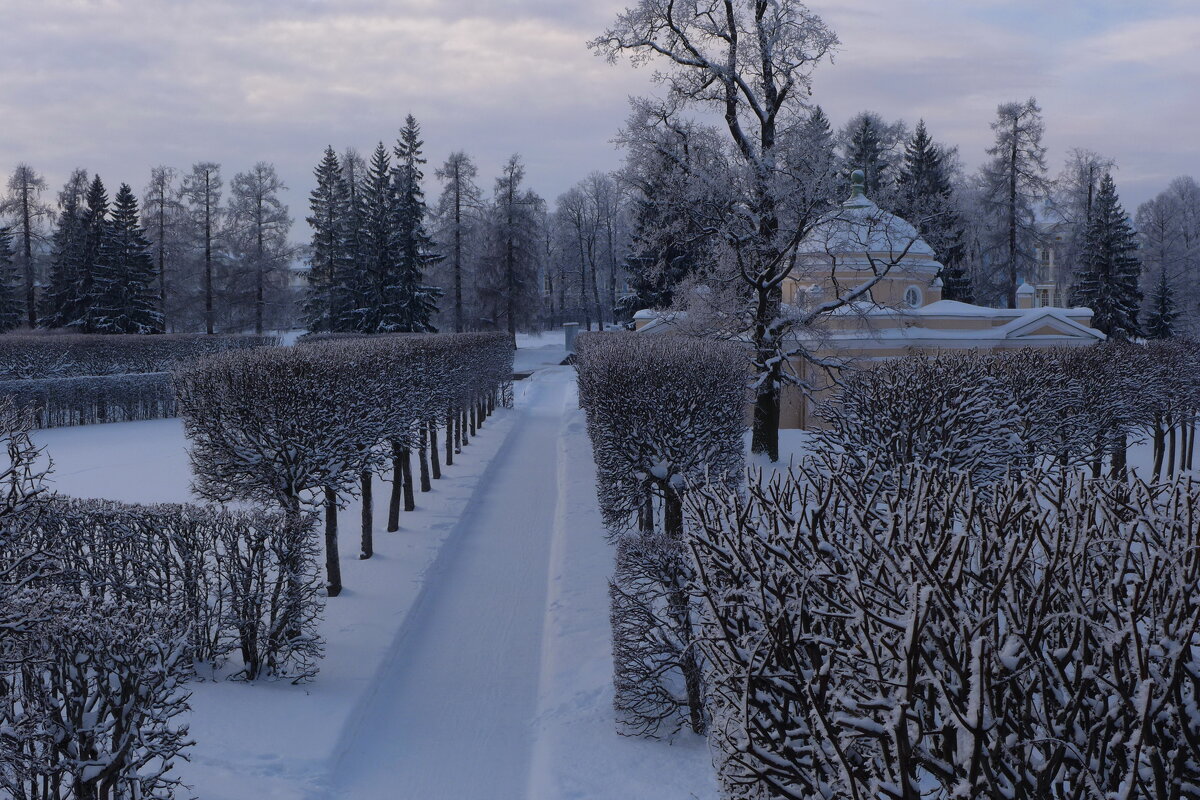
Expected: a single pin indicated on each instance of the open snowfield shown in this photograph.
(468, 659)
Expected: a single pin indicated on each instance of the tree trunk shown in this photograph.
(1172, 427)
(209, 327)
(333, 566)
(450, 438)
(1159, 445)
(397, 488)
(423, 460)
(410, 502)
(765, 435)
(434, 462)
(681, 610)
(368, 517)
(1120, 457)
(462, 429)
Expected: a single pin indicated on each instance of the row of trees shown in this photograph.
(182, 259)
(310, 425)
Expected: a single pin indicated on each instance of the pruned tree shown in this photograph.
(661, 412)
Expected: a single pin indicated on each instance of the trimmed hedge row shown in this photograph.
(238, 582)
(32, 356)
(61, 402)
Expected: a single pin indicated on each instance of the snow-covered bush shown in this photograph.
(1169, 399)
(31, 356)
(58, 402)
(221, 574)
(661, 412)
(943, 410)
(275, 425)
(285, 425)
(933, 641)
(89, 700)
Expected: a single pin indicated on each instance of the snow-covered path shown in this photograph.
(452, 714)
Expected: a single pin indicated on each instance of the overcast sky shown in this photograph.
(117, 86)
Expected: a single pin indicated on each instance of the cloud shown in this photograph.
(120, 85)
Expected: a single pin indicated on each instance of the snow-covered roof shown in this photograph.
(859, 227)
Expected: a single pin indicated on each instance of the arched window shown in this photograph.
(912, 297)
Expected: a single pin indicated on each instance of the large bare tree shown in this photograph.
(751, 62)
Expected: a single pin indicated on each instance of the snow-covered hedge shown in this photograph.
(311, 424)
(59, 402)
(92, 689)
(29, 356)
(662, 412)
(985, 413)
(931, 641)
(235, 582)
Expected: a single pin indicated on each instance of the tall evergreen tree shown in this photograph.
(866, 149)
(412, 303)
(925, 197)
(327, 204)
(378, 240)
(123, 298)
(1107, 279)
(95, 233)
(12, 312)
(1161, 315)
(61, 302)
(349, 285)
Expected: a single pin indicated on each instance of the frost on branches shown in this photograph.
(89, 702)
(930, 641)
(661, 412)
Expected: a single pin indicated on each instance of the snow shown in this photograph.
(469, 658)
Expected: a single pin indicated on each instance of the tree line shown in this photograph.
(180, 258)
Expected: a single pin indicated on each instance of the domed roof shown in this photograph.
(859, 226)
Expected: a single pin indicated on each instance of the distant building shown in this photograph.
(904, 312)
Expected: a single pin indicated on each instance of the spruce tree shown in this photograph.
(925, 197)
(411, 302)
(349, 285)
(664, 245)
(866, 151)
(95, 232)
(378, 243)
(12, 312)
(123, 298)
(1107, 279)
(1161, 316)
(327, 203)
(61, 303)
